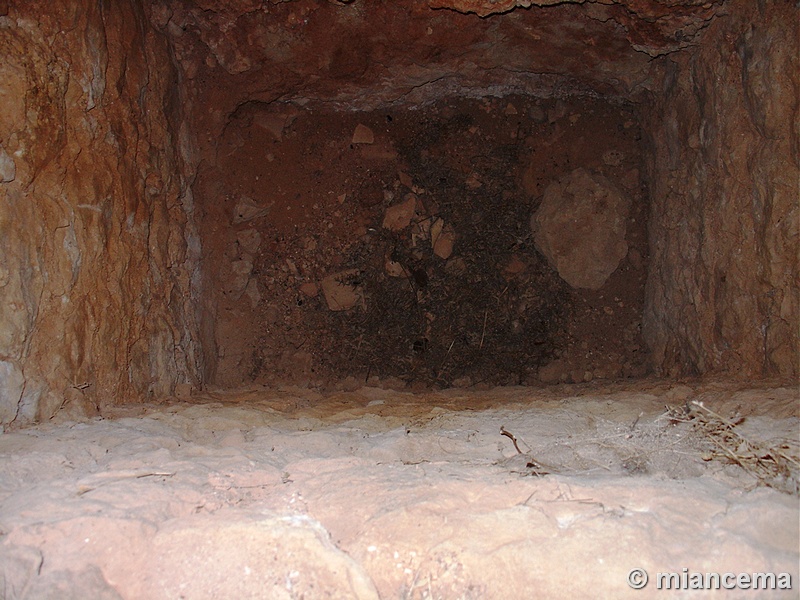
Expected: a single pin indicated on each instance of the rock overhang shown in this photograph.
(362, 55)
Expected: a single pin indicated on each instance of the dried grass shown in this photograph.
(775, 464)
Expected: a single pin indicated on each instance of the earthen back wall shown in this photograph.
(98, 254)
(722, 293)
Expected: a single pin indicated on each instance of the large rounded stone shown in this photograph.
(580, 228)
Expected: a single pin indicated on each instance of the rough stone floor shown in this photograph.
(286, 493)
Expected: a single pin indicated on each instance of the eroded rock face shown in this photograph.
(580, 228)
(723, 289)
(655, 28)
(98, 253)
(364, 55)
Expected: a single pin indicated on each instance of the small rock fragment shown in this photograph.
(183, 391)
(246, 209)
(420, 232)
(443, 238)
(363, 135)
(395, 269)
(8, 169)
(249, 240)
(473, 182)
(238, 277)
(511, 109)
(253, 292)
(456, 266)
(309, 289)
(613, 158)
(405, 179)
(515, 266)
(339, 293)
(399, 216)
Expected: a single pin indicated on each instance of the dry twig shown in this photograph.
(511, 436)
(775, 465)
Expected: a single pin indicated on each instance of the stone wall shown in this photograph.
(98, 255)
(722, 295)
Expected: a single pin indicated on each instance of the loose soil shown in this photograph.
(491, 312)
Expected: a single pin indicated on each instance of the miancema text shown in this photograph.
(726, 581)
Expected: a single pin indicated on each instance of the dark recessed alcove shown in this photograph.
(397, 244)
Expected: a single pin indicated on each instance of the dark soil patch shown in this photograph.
(493, 311)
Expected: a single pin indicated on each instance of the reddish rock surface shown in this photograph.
(724, 280)
(113, 116)
(656, 28)
(366, 55)
(98, 246)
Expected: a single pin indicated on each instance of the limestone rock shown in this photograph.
(12, 384)
(443, 237)
(85, 583)
(309, 289)
(723, 291)
(399, 216)
(8, 169)
(580, 228)
(363, 135)
(275, 122)
(249, 240)
(253, 292)
(238, 277)
(394, 268)
(255, 546)
(247, 209)
(665, 34)
(383, 52)
(104, 121)
(99, 268)
(340, 293)
(271, 123)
